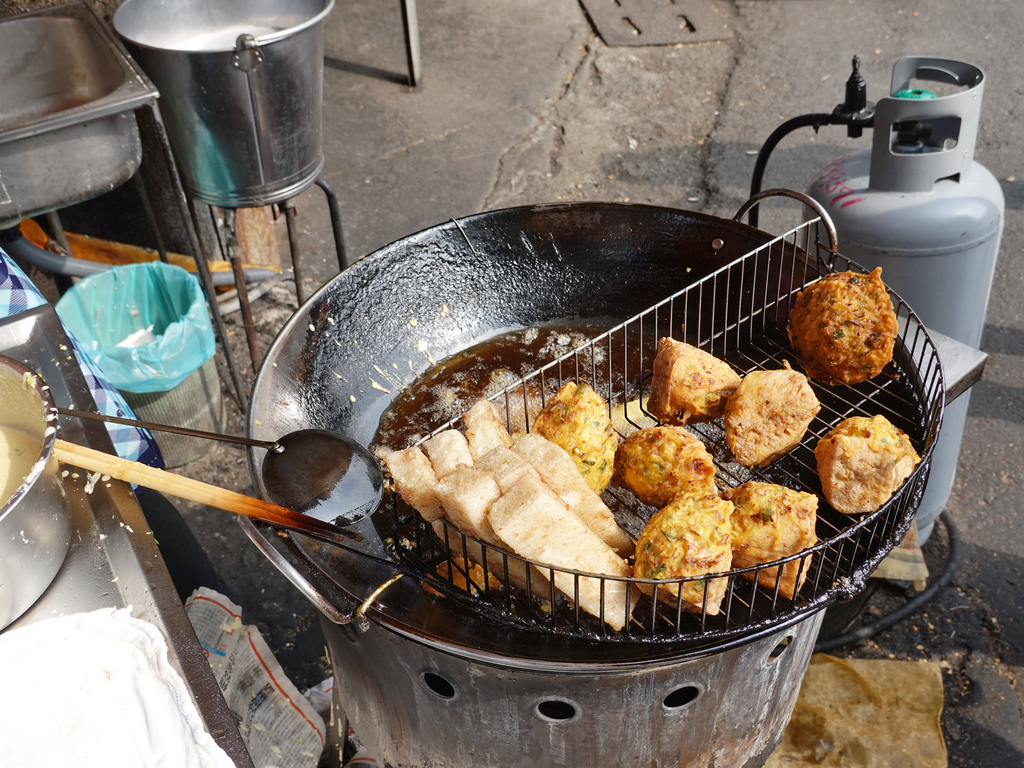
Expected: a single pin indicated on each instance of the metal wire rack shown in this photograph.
(739, 314)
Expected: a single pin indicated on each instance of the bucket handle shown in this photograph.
(281, 34)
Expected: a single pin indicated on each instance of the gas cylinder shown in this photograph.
(917, 205)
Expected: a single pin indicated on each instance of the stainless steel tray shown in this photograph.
(113, 560)
(68, 92)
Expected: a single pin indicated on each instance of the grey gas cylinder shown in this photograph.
(918, 205)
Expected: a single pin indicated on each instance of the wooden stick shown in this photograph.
(192, 490)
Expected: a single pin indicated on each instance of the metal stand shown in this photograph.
(191, 224)
(332, 205)
(412, 41)
(229, 247)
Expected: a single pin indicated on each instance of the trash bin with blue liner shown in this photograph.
(148, 329)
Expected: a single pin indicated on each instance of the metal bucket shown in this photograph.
(241, 90)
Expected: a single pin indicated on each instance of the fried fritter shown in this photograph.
(843, 327)
(768, 414)
(688, 385)
(771, 522)
(689, 537)
(659, 463)
(862, 461)
(576, 418)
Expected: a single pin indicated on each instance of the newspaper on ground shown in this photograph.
(279, 727)
(905, 562)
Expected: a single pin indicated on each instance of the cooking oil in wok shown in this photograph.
(451, 387)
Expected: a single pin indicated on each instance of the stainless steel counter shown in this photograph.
(113, 560)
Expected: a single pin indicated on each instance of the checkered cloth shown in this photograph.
(18, 294)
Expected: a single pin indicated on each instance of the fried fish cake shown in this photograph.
(659, 463)
(862, 461)
(688, 385)
(771, 522)
(576, 418)
(843, 327)
(690, 537)
(768, 415)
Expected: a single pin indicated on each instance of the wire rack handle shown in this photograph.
(810, 202)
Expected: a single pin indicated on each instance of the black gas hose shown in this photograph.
(869, 630)
(856, 113)
(814, 120)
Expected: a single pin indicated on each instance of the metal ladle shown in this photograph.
(322, 474)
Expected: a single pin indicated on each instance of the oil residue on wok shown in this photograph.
(448, 389)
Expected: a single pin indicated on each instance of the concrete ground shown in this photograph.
(524, 103)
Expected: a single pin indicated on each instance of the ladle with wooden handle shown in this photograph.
(319, 473)
(194, 490)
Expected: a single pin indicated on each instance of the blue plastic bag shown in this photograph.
(145, 325)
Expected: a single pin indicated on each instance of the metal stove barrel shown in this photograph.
(424, 663)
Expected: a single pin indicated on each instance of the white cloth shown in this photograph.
(95, 690)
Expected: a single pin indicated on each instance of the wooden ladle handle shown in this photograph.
(193, 490)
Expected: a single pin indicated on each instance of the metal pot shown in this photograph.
(34, 524)
(241, 91)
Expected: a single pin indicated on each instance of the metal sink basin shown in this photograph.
(68, 91)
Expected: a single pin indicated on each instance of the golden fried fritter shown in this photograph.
(659, 463)
(771, 522)
(862, 461)
(689, 537)
(843, 327)
(689, 385)
(768, 414)
(576, 418)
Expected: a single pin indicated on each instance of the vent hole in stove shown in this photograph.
(780, 649)
(438, 685)
(556, 710)
(680, 697)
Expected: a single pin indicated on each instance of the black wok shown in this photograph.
(340, 361)
(346, 354)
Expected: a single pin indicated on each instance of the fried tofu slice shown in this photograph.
(415, 481)
(514, 574)
(537, 525)
(690, 537)
(688, 384)
(768, 414)
(861, 463)
(770, 522)
(507, 466)
(659, 463)
(485, 429)
(466, 495)
(577, 419)
(448, 450)
(557, 469)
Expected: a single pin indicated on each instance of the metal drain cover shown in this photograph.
(658, 22)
